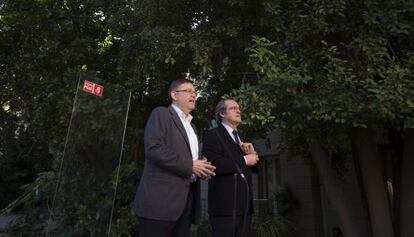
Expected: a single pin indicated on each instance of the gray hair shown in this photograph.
(220, 108)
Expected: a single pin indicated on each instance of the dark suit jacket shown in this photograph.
(165, 182)
(221, 187)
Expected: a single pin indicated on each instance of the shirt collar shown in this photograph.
(228, 128)
(181, 113)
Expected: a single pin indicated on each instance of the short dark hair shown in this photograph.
(220, 108)
(178, 82)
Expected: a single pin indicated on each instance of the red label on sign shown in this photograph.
(92, 88)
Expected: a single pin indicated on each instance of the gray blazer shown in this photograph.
(165, 182)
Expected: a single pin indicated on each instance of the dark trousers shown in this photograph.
(158, 228)
(223, 226)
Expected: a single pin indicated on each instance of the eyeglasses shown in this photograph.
(188, 91)
(233, 108)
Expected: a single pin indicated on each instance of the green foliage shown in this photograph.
(125, 220)
(276, 226)
(332, 68)
(33, 204)
(201, 230)
(21, 158)
(266, 223)
(286, 202)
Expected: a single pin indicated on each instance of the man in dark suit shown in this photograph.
(230, 202)
(168, 198)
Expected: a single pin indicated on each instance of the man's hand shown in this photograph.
(251, 159)
(203, 168)
(248, 148)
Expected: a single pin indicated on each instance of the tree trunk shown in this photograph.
(407, 186)
(378, 203)
(350, 227)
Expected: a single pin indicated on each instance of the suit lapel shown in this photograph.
(179, 125)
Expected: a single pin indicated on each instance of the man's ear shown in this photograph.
(173, 95)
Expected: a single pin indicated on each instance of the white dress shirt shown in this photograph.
(192, 137)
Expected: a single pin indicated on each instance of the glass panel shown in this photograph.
(86, 187)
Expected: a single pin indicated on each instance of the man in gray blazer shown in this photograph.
(168, 195)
